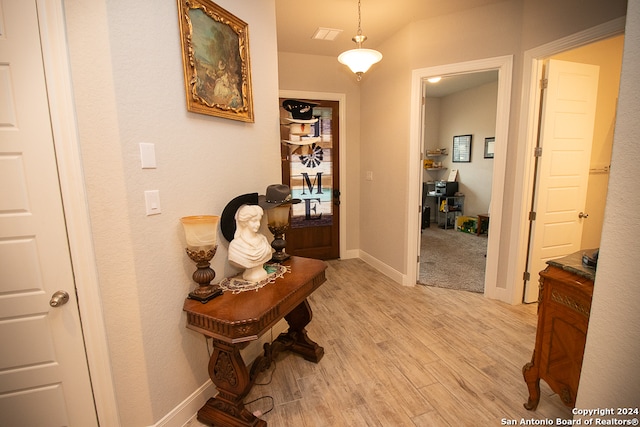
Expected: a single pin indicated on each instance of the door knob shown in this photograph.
(583, 215)
(59, 298)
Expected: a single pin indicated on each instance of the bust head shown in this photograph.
(248, 219)
(249, 249)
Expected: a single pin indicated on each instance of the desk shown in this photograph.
(483, 224)
(454, 207)
(234, 320)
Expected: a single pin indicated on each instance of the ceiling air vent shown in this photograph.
(329, 34)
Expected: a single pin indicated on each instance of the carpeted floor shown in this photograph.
(452, 259)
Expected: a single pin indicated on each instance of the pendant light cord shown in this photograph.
(359, 20)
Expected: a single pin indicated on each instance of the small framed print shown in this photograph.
(489, 144)
(462, 148)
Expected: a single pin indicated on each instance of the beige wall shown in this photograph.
(385, 117)
(129, 88)
(611, 368)
(472, 111)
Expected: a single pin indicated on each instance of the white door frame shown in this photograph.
(504, 66)
(524, 185)
(344, 200)
(75, 204)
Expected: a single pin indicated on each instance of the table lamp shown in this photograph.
(278, 223)
(201, 231)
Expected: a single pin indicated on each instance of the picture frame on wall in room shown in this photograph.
(462, 148)
(215, 58)
(489, 144)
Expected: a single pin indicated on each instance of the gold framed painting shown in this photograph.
(215, 57)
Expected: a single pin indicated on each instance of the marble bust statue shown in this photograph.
(249, 249)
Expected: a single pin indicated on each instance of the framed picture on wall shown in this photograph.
(489, 147)
(215, 58)
(462, 148)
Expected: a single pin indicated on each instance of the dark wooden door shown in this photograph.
(312, 172)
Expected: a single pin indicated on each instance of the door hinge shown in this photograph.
(537, 152)
(526, 276)
(544, 83)
(532, 216)
(418, 259)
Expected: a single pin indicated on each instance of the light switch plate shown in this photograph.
(148, 155)
(152, 201)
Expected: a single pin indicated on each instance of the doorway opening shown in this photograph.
(503, 66)
(562, 226)
(340, 167)
(532, 72)
(453, 249)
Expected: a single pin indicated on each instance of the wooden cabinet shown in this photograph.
(564, 304)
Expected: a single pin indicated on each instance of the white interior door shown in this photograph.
(566, 135)
(44, 377)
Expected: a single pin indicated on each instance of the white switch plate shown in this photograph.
(152, 201)
(369, 176)
(148, 155)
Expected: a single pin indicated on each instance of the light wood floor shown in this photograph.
(405, 356)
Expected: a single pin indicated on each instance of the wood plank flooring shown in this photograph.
(405, 356)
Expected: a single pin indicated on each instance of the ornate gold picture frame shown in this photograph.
(215, 57)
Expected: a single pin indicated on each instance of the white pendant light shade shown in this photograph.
(360, 60)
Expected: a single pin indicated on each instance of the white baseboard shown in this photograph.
(183, 414)
(350, 254)
(394, 275)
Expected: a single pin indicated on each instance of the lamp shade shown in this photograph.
(278, 216)
(200, 230)
(360, 60)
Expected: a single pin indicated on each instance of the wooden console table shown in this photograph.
(234, 320)
(564, 306)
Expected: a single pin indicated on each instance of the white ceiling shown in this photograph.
(298, 20)
(456, 83)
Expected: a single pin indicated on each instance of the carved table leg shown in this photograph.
(231, 377)
(296, 339)
(532, 378)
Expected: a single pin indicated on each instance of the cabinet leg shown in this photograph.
(531, 377)
(296, 339)
(231, 377)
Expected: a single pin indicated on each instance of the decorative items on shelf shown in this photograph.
(200, 232)
(437, 152)
(302, 124)
(430, 163)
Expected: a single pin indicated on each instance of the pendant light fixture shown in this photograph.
(359, 60)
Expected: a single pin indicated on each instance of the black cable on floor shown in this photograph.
(270, 376)
(259, 413)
